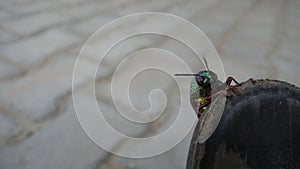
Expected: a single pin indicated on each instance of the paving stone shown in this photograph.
(71, 2)
(112, 116)
(35, 49)
(56, 77)
(20, 2)
(293, 13)
(8, 127)
(34, 23)
(288, 68)
(30, 7)
(8, 70)
(244, 59)
(290, 49)
(6, 36)
(260, 23)
(259, 32)
(3, 15)
(195, 8)
(5, 3)
(173, 159)
(293, 18)
(143, 6)
(291, 33)
(92, 24)
(220, 19)
(287, 60)
(82, 11)
(59, 143)
(252, 48)
(99, 44)
(242, 70)
(213, 29)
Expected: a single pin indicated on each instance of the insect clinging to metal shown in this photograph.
(201, 88)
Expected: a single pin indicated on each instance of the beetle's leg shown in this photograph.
(252, 80)
(229, 80)
(225, 92)
(233, 88)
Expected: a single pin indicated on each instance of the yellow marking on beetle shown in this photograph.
(201, 100)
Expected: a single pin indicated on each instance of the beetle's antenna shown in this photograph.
(192, 74)
(205, 62)
(186, 75)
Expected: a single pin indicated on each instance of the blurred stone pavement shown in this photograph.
(40, 41)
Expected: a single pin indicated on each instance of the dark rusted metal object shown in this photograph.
(260, 129)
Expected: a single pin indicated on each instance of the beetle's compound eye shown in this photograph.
(199, 80)
(203, 77)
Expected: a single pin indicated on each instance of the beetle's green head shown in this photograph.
(199, 83)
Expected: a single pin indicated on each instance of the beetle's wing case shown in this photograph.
(210, 118)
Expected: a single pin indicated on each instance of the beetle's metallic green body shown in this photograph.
(200, 90)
